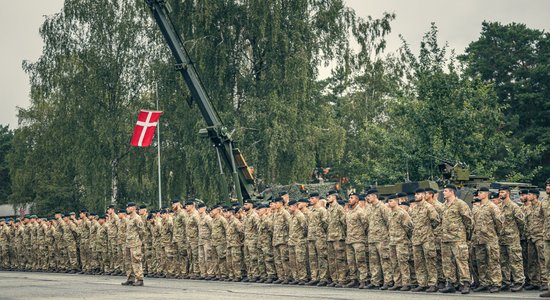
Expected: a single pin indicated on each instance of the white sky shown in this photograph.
(459, 23)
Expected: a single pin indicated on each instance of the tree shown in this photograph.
(6, 137)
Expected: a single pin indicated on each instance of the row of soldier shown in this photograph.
(417, 244)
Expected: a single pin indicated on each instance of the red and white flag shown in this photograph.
(145, 128)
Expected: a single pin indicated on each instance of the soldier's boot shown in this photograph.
(372, 286)
(245, 279)
(545, 294)
(269, 280)
(351, 284)
(505, 287)
(440, 285)
(450, 288)
(482, 288)
(301, 282)
(419, 289)
(321, 283)
(385, 287)
(332, 284)
(494, 289)
(286, 281)
(128, 282)
(312, 282)
(138, 283)
(465, 288)
(432, 289)
(544, 287)
(395, 287)
(405, 288)
(293, 282)
(531, 287)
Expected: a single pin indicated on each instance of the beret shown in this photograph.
(401, 194)
(111, 206)
(372, 191)
(483, 189)
(493, 195)
(504, 188)
(419, 190)
(524, 192)
(354, 194)
(143, 206)
(430, 190)
(189, 202)
(391, 197)
(382, 198)
(282, 193)
(450, 186)
(93, 214)
(248, 201)
(177, 200)
(278, 199)
(303, 200)
(163, 211)
(83, 210)
(332, 192)
(362, 197)
(218, 205)
(406, 203)
(130, 204)
(201, 205)
(292, 202)
(121, 211)
(70, 214)
(534, 191)
(341, 202)
(314, 194)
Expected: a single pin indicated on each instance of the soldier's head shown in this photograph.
(130, 208)
(372, 196)
(143, 210)
(248, 204)
(293, 206)
(176, 204)
(189, 205)
(504, 192)
(429, 195)
(303, 203)
(534, 194)
(93, 216)
(111, 209)
(314, 198)
(83, 213)
(353, 199)
(121, 213)
(449, 192)
(332, 196)
(405, 205)
(419, 194)
(216, 210)
(201, 207)
(483, 193)
(278, 202)
(285, 197)
(163, 214)
(101, 220)
(547, 185)
(393, 201)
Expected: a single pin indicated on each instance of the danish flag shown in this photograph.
(145, 128)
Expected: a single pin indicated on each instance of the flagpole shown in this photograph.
(158, 147)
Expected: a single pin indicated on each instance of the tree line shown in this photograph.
(380, 117)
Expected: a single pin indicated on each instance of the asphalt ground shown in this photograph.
(28, 285)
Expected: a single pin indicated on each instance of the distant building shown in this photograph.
(10, 210)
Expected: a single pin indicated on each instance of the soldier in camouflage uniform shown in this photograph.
(169, 251)
(112, 246)
(456, 227)
(121, 240)
(180, 239)
(101, 245)
(534, 220)
(4, 244)
(546, 235)
(336, 234)
(192, 227)
(431, 198)
(219, 243)
(400, 230)
(265, 243)
(281, 220)
(317, 241)
(132, 247)
(356, 224)
(69, 242)
(378, 237)
(84, 234)
(297, 244)
(251, 222)
(511, 260)
(205, 243)
(146, 244)
(425, 219)
(487, 226)
(235, 235)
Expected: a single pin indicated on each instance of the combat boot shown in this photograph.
(293, 282)
(545, 295)
(494, 289)
(384, 287)
(312, 282)
(351, 284)
(362, 285)
(278, 281)
(544, 287)
(481, 289)
(269, 280)
(286, 281)
(138, 283)
(405, 288)
(450, 288)
(128, 282)
(245, 279)
(394, 288)
(465, 288)
(372, 286)
(321, 283)
(531, 287)
(432, 289)
(419, 289)
(517, 287)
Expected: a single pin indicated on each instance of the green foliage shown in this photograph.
(6, 136)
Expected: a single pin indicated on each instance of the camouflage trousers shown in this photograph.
(182, 258)
(205, 259)
(268, 260)
(536, 262)
(425, 259)
(251, 256)
(193, 253)
(235, 262)
(85, 254)
(511, 264)
(4, 257)
(280, 254)
(72, 256)
(297, 256)
(318, 260)
(455, 258)
(357, 262)
(219, 259)
(525, 255)
(132, 262)
(547, 260)
(400, 268)
(337, 261)
(379, 262)
(473, 263)
(488, 262)
(168, 259)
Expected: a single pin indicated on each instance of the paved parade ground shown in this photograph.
(25, 285)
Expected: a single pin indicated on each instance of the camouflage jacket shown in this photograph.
(235, 233)
(251, 223)
(317, 223)
(425, 219)
(101, 238)
(487, 224)
(265, 231)
(192, 227)
(546, 211)
(167, 231)
(513, 223)
(456, 221)
(297, 229)
(400, 226)
(281, 220)
(121, 231)
(379, 215)
(180, 221)
(219, 230)
(84, 231)
(336, 229)
(205, 229)
(356, 225)
(134, 230)
(534, 220)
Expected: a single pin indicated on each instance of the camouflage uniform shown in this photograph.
(281, 220)
(101, 242)
(379, 251)
(132, 247)
(158, 249)
(168, 247)
(437, 233)
(317, 243)
(234, 248)
(251, 223)
(535, 243)
(69, 239)
(112, 248)
(356, 224)
(511, 260)
(297, 246)
(192, 228)
(85, 253)
(487, 226)
(205, 246)
(4, 243)
(219, 246)
(546, 235)
(336, 234)
(265, 243)
(400, 231)
(425, 219)
(180, 239)
(456, 223)
(121, 239)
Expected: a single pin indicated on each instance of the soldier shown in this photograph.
(400, 230)
(425, 219)
(112, 246)
(317, 241)
(235, 236)
(101, 244)
(180, 239)
(146, 240)
(94, 226)
(431, 198)
(121, 240)
(192, 228)
(281, 220)
(534, 220)
(297, 244)
(251, 223)
(219, 243)
(356, 223)
(378, 237)
(456, 226)
(4, 256)
(132, 247)
(511, 260)
(487, 227)
(69, 239)
(265, 243)
(84, 234)
(336, 234)
(524, 198)
(169, 251)
(546, 234)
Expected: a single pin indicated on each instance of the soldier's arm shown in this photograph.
(407, 223)
(434, 217)
(466, 215)
(497, 220)
(519, 216)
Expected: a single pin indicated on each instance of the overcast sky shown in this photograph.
(459, 23)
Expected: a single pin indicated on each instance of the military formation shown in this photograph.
(399, 242)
